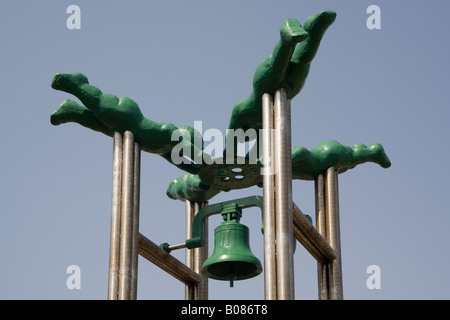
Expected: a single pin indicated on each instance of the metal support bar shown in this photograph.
(124, 218)
(322, 266)
(176, 246)
(268, 172)
(283, 197)
(135, 233)
(200, 256)
(189, 288)
(310, 238)
(196, 257)
(278, 212)
(327, 218)
(153, 253)
(113, 281)
(333, 233)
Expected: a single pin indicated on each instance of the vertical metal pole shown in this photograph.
(283, 197)
(126, 225)
(270, 276)
(200, 256)
(113, 280)
(333, 226)
(135, 232)
(322, 267)
(189, 289)
(196, 257)
(290, 218)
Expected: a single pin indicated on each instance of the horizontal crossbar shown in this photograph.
(310, 238)
(153, 253)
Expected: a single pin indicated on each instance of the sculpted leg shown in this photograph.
(118, 114)
(305, 52)
(269, 76)
(78, 85)
(70, 111)
(107, 113)
(272, 70)
(316, 27)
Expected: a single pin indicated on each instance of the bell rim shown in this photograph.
(255, 261)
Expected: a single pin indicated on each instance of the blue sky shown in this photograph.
(184, 61)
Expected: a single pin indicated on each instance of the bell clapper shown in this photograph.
(232, 277)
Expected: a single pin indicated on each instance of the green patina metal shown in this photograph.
(232, 258)
(237, 174)
(287, 67)
(190, 187)
(107, 113)
(306, 165)
(197, 239)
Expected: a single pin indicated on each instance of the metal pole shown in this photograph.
(290, 220)
(333, 231)
(283, 198)
(196, 257)
(322, 266)
(135, 232)
(189, 289)
(126, 225)
(200, 256)
(269, 200)
(113, 281)
(177, 246)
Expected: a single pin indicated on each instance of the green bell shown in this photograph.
(232, 258)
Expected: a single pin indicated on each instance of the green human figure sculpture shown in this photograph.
(107, 113)
(306, 165)
(190, 187)
(287, 67)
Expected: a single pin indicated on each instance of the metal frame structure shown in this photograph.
(127, 243)
(124, 218)
(329, 270)
(196, 257)
(282, 221)
(278, 216)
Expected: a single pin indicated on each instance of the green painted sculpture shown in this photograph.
(107, 113)
(287, 67)
(190, 187)
(306, 165)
